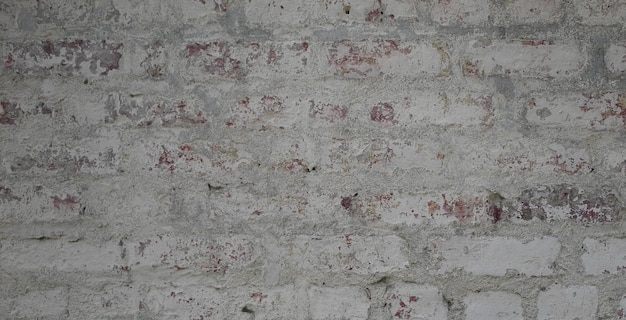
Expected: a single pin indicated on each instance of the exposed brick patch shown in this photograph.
(76, 57)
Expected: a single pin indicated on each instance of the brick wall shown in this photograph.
(256, 159)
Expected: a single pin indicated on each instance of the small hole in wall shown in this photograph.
(346, 9)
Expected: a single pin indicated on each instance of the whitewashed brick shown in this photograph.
(493, 306)
(61, 256)
(347, 254)
(459, 13)
(525, 58)
(600, 12)
(615, 58)
(604, 256)
(42, 304)
(410, 301)
(494, 256)
(533, 11)
(334, 303)
(568, 303)
(602, 110)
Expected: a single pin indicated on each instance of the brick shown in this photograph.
(218, 255)
(109, 301)
(187, 302)
(41, 202)
(268, 303)
(401, 208)
(600, 12)
(329, 303)
(132, 14)
(545, 59)
(460, 13)
(272, 14)
(485, 256)
(77, 57)
(449, 108)
(568, 303)
(534, 11)
(493, 306)
(564, 201)
(96, 155)
(615, 58)
(154, 110)
(410, 301)
(349, 254)
(62, 256)
(598, 111)
(365, 59)
(48, 304)
(237, 61)
(604, 256)
(73, 13)
(345, 59)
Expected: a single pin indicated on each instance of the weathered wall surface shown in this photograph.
(256, 159)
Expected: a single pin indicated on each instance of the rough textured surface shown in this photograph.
(257, 159)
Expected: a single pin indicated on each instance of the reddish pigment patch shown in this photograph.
(216, 59)
(293, 166)
(346, 203)
(361, 58)
(495, 212)
(273, 56)
(258, 295)
(9, 62)
(10, 112)
(348, 240)
(433, 207)
(195, 49)
(471, 68)
(6, 194)
(328, 112)
(373, 15)
(271, 104)
(461, 208)
(487, 104)
(166, 160)
(185, 147)
(69, 202)
(383, 113)
(48, 47)
(257, 212)
(304, 46)
(569, 165)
